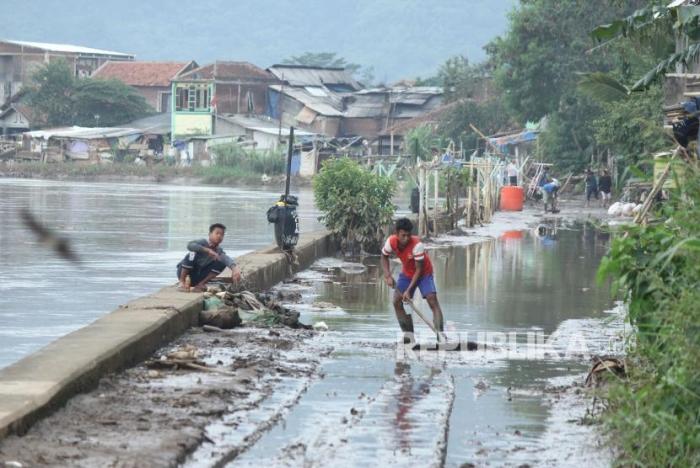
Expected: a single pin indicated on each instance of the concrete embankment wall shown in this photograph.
(38, 384)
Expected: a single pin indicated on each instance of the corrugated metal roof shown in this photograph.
(141, 73)
(301, 75)
(158, 124)
(66, 48)
(409, 96)
(261, 124)
(403, 90)
(366, 105)
(328, 106)
(83, 133)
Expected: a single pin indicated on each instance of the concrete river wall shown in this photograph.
(38, 384)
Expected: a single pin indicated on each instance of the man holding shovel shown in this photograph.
(416, 272)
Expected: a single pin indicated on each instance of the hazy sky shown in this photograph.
(399, 38)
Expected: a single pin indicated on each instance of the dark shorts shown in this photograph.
(197, 272)
(591, 192)
(513, 180)
(426, 285)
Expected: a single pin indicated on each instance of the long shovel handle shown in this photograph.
(426, 320)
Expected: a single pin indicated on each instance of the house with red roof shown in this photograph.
(222, 87)
(151, 79)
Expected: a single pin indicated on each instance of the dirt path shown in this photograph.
(145, 417)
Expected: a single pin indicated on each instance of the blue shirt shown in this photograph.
(550, 187)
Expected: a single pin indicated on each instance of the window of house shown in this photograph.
(201, 97)
(182, 99)
(192, 98)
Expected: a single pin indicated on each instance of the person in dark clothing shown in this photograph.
(605, 187)
(206, 260)
(591, 186)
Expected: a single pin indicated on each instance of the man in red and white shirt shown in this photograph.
(416, 272)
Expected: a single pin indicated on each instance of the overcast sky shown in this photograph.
(399, 38)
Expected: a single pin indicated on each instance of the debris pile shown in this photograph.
(186, 357)
(226, 309)
(604, 367)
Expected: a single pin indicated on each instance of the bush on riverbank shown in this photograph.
(216, 175)
(355, 203)
(233, 155)
(654, 416)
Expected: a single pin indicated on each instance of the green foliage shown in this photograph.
(234, 155)
(568, 139)
(683, 20)
(355, 203)
(419, 141)
(113, 101)
(490, 116)
(602, 87)
(50, 93)
(655, 416)
(460, 79)
(633, 127)
(536, 62)
(59, 99)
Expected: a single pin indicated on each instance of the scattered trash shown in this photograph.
(222, 317)
(289, 296)
(184, 353)
(615, 209)
(624, 209)
(183, 358)
(604, 366)
(261, 309)
(320, 326)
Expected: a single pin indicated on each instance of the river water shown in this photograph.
(129, 238)
(376, 406)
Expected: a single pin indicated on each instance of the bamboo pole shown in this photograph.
(654, 191)
(478, 199)
(421, 201)
(436, 181)
(469, 196)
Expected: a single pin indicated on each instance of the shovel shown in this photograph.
(469, 345)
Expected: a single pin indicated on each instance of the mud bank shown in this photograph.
(34, 386)
(147, 417)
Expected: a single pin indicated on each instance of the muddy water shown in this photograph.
(377, 407)
(130, 237)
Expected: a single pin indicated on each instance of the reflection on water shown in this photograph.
(129, 236)
(522, 281)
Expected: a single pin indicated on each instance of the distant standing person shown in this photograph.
(512, 173)
(591, 186)
(544, 177)
(206, 260)
(550, 192)
(416, 273)
(605, 187)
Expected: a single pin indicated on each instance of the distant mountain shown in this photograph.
(399, 38)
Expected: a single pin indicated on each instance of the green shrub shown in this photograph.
(252, 161)
(654, 416)
(355, 203)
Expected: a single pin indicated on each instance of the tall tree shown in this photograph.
(59, 99)
(538, 60)
(113, 101)
(50, 93)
